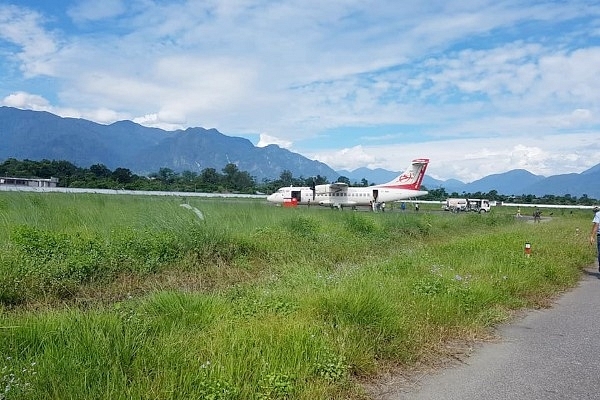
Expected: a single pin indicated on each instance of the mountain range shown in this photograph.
(37, 135)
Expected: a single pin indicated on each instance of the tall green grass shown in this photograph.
(254, 301)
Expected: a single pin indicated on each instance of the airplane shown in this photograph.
(340, 195)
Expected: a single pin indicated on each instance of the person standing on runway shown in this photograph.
(595, 235)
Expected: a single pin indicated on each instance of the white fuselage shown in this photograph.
(340, 194)
(352, 196)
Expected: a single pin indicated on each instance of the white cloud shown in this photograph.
(351, 158)
(266, 140)
(103, 115)
(26, 101)
(472, 159)
(92, 10)
(22, 28)
(166, 120)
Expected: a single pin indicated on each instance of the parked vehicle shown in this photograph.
(478, 205)
(455, 205)
(475, 205)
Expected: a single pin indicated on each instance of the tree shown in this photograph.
(286, 177)
(210, 177)
(45, 169)
(236, 180)
(166, 175)
(188, 176)
(230, 170)
(493, 195)
(100, 171)
(437, 194)
(122, 175)
(243, 182)
(320, 180)
(344, 179)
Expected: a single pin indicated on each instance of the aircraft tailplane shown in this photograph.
(412, 177)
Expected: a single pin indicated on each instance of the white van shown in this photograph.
(478, 205)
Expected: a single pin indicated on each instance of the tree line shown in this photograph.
(229, 180)
(441, 194)
(98, 176)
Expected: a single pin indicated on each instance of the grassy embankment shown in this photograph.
(116, 297)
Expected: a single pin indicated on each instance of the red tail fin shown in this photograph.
(412, 177)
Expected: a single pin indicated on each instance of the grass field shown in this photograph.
(135, 297)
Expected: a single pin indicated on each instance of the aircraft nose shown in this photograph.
(271, 197)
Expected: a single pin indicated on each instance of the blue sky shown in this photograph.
(479, 87)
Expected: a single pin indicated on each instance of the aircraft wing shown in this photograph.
(339, 186)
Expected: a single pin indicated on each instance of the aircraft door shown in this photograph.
(375, 194)
(296, 194)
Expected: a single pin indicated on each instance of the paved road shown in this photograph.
(547, 354)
